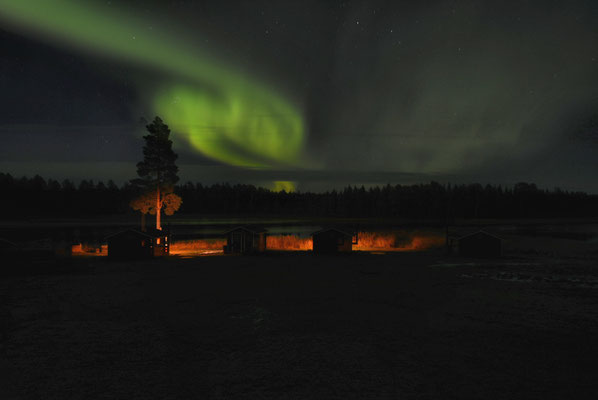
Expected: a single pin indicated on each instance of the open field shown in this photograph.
(299, 326)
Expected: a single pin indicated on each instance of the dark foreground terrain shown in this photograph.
(298, 326)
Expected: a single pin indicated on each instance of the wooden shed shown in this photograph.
(133, 244)
(245, 240)
(332, 240)
(480, 244)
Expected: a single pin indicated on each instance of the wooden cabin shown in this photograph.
(479, 244)
(332, 240)
(245, 240)
(133, 244)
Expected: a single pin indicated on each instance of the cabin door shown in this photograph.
(237, 242)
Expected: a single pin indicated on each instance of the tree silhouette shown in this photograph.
(146, 203)
(143, 204)
(158, 171)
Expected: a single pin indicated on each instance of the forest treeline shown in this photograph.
(37, 197)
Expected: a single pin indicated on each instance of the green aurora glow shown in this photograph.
(223, 113)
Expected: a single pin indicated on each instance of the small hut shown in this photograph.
(245, 240)
(332, 240)
(480, 244)
(133, 244)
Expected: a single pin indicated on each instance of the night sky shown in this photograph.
(317, 93)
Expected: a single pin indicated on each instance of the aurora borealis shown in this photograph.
(222, 113)
(324, 94)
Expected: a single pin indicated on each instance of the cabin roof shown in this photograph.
(248, 228)
(480, 232)
(342, 232)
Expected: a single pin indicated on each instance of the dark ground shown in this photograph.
(299, 326)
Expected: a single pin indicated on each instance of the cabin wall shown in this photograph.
(347, 245)
(236, 242)
(331, 242)
(243, 242)
(261, 242)
(160, 251)
(130, 248)
(160, 247)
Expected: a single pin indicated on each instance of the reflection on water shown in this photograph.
(367, 241)
(197, 247)
(89, 249)
(398, 241)
(288, 242)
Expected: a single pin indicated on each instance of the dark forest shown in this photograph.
(37, 197)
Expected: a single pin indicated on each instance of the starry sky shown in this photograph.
(310, 95)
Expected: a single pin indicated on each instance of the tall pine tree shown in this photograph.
(158, 171)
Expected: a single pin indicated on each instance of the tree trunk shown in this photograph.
(158, 226)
